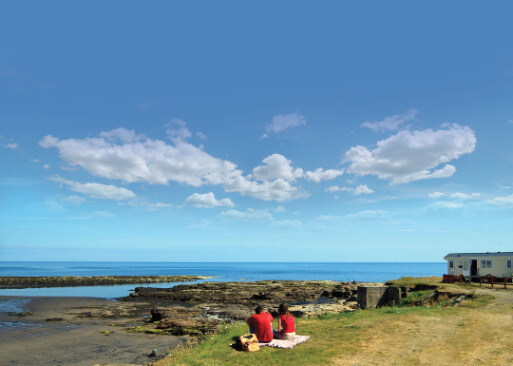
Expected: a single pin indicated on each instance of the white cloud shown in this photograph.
(177, 129)
(279, 209)
(52, 206)
(34, 160)
(288, 223)
(277, 167)
(410, 156)
(46, 166)
(504, 200)
(368, 214)
(201, 136)
(12, 146)
(73, 199)
(208, 200)
(361, 189)
(121, 154)
(278, 190)
(320, 174)
(392, 122)
(457, 195)
(282, 122)
(362, 215)
(445, 204)
(96, 190)
(510, 121)
(464, 196)
(249, 215)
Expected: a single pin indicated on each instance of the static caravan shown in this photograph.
(473, 265)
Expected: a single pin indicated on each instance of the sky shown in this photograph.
(270, 131)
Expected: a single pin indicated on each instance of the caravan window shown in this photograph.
(486, 264)
(451, 264)
(508, 263)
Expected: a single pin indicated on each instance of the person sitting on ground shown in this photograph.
(261, 323)
(286, 323)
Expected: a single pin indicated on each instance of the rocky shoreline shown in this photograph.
(201, 308)
(11, 282)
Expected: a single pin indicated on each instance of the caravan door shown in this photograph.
(473, 267)
(466, 268)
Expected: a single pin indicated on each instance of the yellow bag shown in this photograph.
(249, 343)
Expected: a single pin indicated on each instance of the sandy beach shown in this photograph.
(77, 331)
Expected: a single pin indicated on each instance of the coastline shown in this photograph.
(78, 331)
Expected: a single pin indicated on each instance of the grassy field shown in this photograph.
(476, 332)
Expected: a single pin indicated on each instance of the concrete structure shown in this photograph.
(499, 264)
(377, 296)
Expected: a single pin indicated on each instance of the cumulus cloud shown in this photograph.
(392, 122)
(283, 122)
(278, 190)
(436, 195)
(96, 190)
(208, 200)
(361, 189)
(12, 146)
(46, 166)
(277, 167)
(321, 174)
(410, 156)
(248, 215)
(121, 154)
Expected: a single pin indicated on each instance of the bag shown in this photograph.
(249, 343)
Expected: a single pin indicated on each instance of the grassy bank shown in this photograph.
(73, 281)
(476, 332)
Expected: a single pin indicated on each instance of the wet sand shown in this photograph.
(77, 331)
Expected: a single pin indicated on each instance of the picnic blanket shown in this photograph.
(286, 343)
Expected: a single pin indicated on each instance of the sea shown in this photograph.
(227, 271)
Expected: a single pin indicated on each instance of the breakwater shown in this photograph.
(12, 282)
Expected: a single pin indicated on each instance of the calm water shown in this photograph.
(364, 272)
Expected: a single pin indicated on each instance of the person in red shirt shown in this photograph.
(286, 323)
(261, 323)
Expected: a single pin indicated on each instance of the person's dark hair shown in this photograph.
(259, 309)
(283, 309)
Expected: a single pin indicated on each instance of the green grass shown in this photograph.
(415, 281)
(328, 332)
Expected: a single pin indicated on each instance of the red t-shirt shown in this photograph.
(261, 324)
(287, 324)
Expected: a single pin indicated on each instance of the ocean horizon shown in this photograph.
(219, 271)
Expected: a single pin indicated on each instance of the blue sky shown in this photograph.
(269, 131)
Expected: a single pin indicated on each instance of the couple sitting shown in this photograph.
(261, 324)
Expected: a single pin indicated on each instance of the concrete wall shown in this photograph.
(377, 296)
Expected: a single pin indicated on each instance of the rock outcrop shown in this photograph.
(201, 308)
